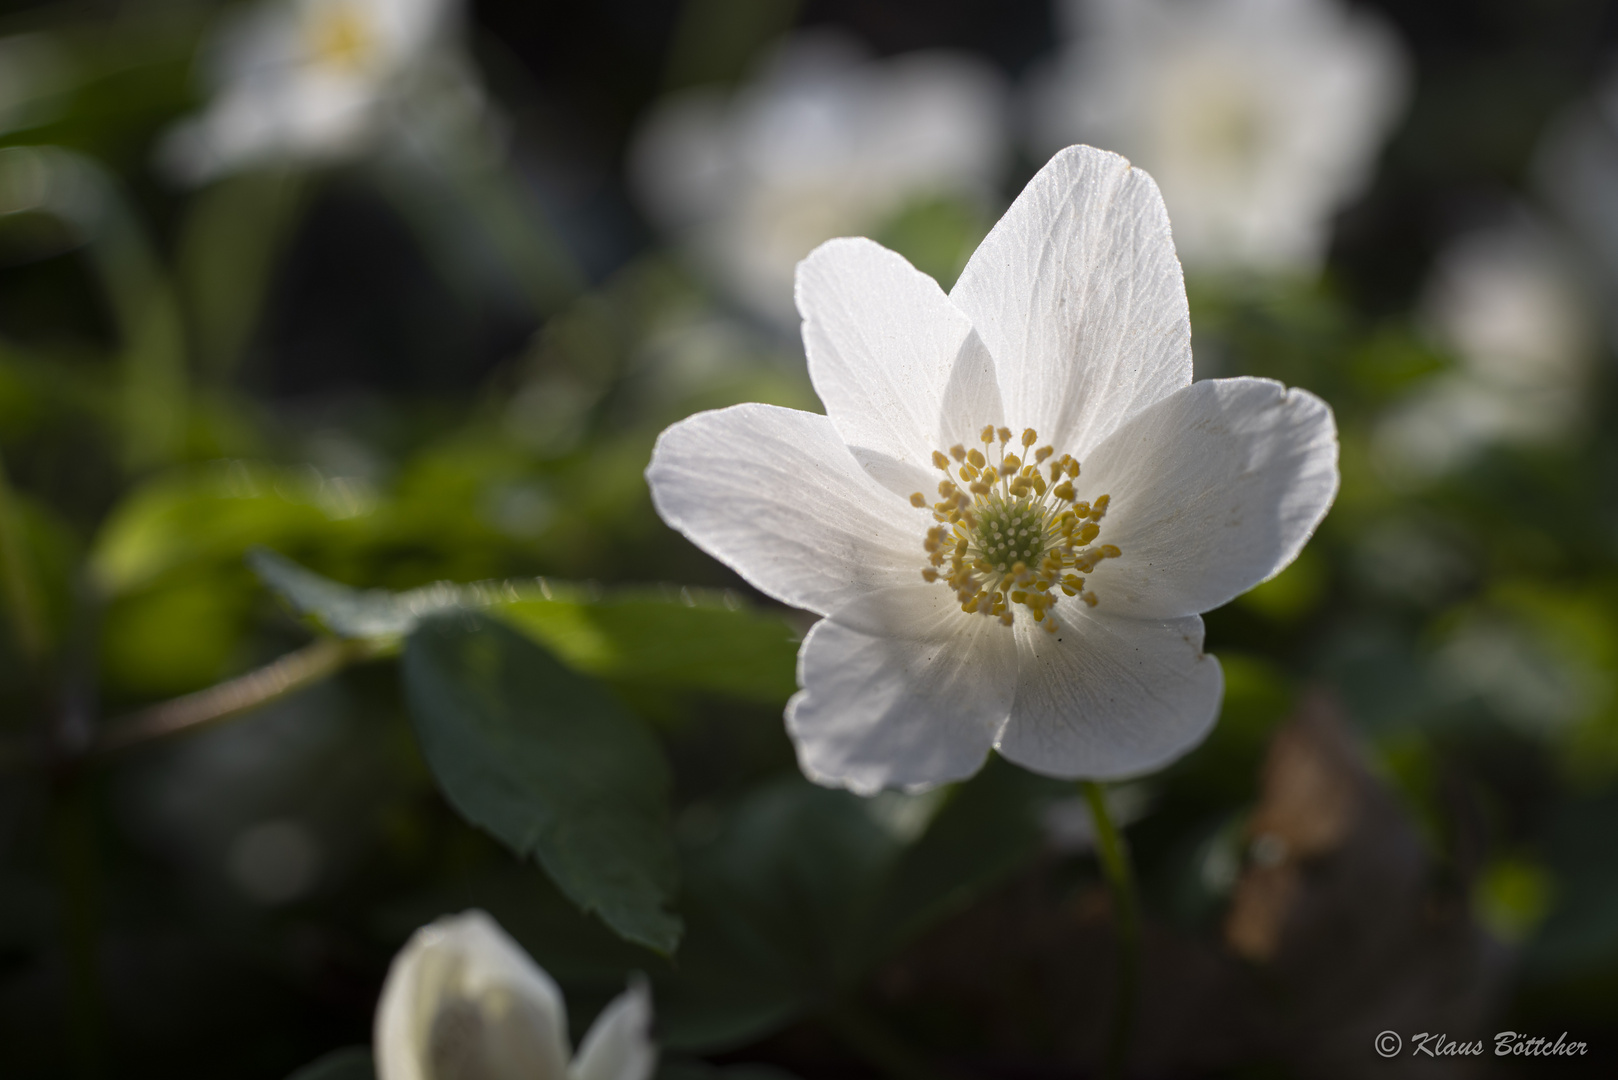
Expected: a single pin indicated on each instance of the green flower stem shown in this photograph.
(1114, 855)
(16, 583)
(291, 673)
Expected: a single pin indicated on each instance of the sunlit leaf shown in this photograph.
(690, 639)
(550, 765)
(217, 512)
(683, 639)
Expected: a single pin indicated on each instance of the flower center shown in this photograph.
(340, 38)
(1008, 535)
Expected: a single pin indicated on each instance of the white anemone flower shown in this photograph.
(312, 80)
(1033, 606)
(463, 999)
(1259, 118)
(825, 142)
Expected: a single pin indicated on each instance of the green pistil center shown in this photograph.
(1010, 532)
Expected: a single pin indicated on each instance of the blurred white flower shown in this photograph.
(963, 625)
(1508, 304)
(1576, 166)
(315, 80)
(1259, 118)
(463, 999)
(826, 142)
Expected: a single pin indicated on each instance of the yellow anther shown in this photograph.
(1006, 534)
(1110, 551)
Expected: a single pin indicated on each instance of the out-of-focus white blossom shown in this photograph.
(1508, 305)
(1259, 118)
(1576, 165)
(825, 142)
(463, 999)
(320, 80)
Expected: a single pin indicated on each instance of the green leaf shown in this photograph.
(690, 639)
(549, 764)
(685, 639)
(986, 831)
(216, 513)
(776, 903)
(346, 612)
(349, 1063)
(803, 891)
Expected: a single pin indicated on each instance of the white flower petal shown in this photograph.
(1213, 490)
(1108, 697)
(619, 1044)
(776, 495)
(900, 369)
(883, 710)
(462, 998)
(1079, 298)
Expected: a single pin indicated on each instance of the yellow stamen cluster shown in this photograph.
(1006, 534)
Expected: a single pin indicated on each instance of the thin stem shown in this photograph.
(290, 673)
(1114, 855)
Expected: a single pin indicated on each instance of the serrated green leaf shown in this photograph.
(549, 764)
